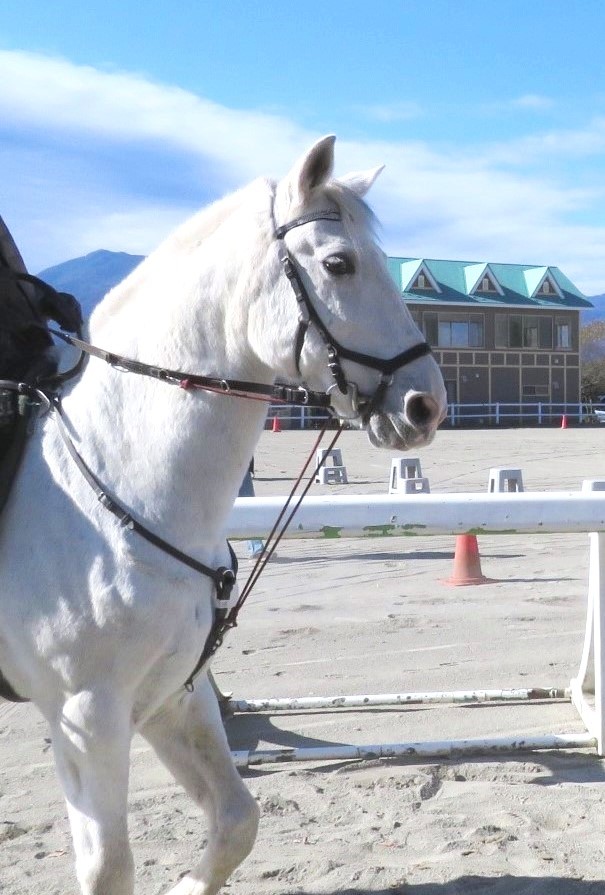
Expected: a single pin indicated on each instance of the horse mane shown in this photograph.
(357, 216)
(186, 239)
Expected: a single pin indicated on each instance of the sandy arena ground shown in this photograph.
(346, 616)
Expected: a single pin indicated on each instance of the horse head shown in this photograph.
(342, 325)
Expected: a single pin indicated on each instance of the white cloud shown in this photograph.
(95, 159)
(533, 102)
(387, 113)
(118, 106)
(552, 145)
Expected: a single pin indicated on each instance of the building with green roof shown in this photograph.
(501, 333)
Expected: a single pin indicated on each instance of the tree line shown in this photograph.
(592, 356)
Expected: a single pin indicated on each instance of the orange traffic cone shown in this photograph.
(467, 563)
(276, 427)
(564, 422)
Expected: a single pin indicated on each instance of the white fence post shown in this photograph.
(587, 688)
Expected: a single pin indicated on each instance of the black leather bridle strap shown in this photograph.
(386, 366)
(308, 314)
(223, 578)
(326, 215)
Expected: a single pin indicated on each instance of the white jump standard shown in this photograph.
(430, 515)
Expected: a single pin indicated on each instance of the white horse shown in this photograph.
(100, 628)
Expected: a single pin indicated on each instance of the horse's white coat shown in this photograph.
(99, 628)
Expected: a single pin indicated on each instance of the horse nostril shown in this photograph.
(420, 410)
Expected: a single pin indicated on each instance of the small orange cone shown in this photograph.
(564, 422)
(467, 563)
(276, 427)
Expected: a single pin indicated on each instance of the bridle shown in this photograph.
(44, 394)
(308, 314)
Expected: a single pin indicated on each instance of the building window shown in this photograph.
(547, 288)
(501, 331)
(530, 332)
(522, 331)
(563, 333)
(545, 337)
(422, 282)
(454, 330)
(535, 391)
(486, 286)
(515, 331)
(430, 328)
(451, 390)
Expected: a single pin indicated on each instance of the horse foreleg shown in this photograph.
(188, 737)
(91, 745)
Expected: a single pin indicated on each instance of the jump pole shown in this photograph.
(244, 758)
(414, 515)
(429, 514)
(307, 703)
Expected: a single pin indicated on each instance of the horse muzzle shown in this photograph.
(414, 426)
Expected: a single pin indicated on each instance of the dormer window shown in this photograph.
(549, 289)
(486, 285)
(421, 282)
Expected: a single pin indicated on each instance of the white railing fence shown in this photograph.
(426, 515)
(493, 414)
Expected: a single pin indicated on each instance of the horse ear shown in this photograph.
(312, 170)
(361, 181)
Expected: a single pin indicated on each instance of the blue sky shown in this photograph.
(117, 120)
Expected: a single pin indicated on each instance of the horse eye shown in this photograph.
(339, 265)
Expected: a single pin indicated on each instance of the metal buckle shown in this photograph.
(353, 394)
(336, 369)
(225, 582)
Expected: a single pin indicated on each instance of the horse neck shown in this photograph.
(174, 458)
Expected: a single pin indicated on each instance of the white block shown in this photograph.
(402, 469)
(502, 479)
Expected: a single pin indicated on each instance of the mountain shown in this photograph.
(596, 313)
(90, 277)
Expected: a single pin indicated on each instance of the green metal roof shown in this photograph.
(457, 280)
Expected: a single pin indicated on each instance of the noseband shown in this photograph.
(307, 314)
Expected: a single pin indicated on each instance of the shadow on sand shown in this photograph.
(486, 885)
(251, 731)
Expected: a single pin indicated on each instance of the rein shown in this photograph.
(227, 619)
(235, 388)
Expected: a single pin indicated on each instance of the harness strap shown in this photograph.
(224, 578)
(278, 393)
